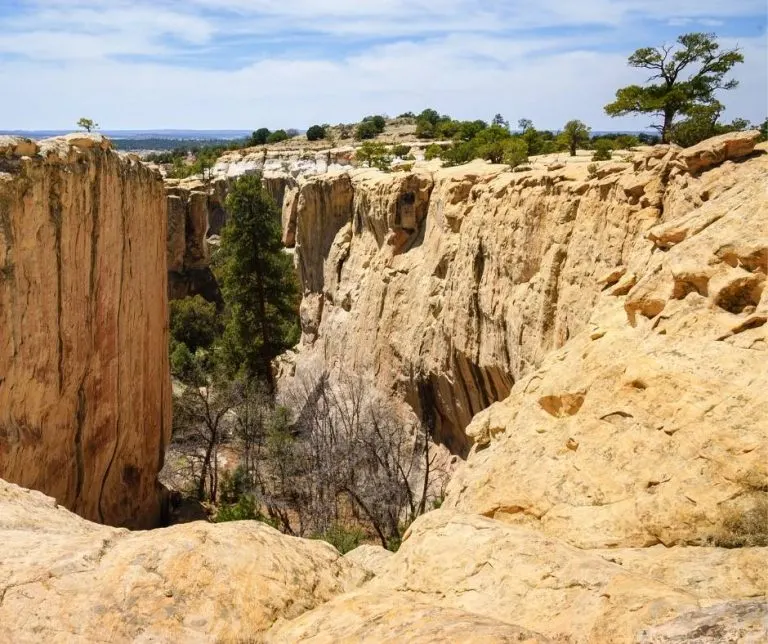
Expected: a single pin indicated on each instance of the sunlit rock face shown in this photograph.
(84, 385)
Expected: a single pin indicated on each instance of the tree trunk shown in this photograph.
(666, 130)
(573, 148)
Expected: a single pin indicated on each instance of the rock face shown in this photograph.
(624, 318)
(466, 572)
(451, 286)
(455, 578)
(64, 579)
(650, 425)
(195, 212)
(84, 385)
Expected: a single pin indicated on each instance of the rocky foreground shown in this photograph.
(596, 344)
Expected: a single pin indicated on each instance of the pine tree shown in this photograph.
(257, 282)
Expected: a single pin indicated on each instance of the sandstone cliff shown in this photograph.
(450, 286)
(196, 212)
(84, 385)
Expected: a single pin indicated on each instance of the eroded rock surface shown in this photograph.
(450, 286)
(650, 425)
(461, 572)
(64, 579)
(84, 386)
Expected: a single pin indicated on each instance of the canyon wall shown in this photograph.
(619, 493)
(449, 286)
(84, 386)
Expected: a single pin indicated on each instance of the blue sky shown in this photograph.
(243, 64)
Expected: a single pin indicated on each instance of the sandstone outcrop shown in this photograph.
(466, 572)
(650, 425)
(455, 578)
(64, 579)
(195, 213)
(450, 286)
(84, 386)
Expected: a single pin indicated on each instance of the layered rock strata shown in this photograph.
(450, 286)
(84, 386)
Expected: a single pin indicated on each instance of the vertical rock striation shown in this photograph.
(448, 287)
(84, 385)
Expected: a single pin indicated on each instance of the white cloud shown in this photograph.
(463, 61)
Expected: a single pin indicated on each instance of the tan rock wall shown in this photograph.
(84, 385)
(450, 286)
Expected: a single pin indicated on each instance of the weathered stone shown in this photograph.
(84, 385)
(64, 579)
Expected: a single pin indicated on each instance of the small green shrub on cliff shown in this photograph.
(316, 133)
(374, 155)
(401, 151)
(603, 150)
(278, 136)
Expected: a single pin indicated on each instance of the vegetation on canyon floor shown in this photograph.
(328, 458)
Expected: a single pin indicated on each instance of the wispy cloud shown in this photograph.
(244, 63)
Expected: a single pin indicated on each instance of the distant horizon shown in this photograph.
(180, 134)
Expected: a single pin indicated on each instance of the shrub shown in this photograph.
(405, 167)
(182, 362)
(278, 136)
(260, 136)
(316, 133)
(194, 322)
(244, 510)
(592, 169)
(433, 151)
(376, 155)
(343, 538)
(603, 150)
(366, 130)
(515, 152)
(401, 150)
(745, 529)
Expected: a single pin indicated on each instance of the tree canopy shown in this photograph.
(316, 133)
(683, 76)
(575, 133)
(87, 124)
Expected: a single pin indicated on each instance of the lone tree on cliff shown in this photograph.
(669, 91)
(575, 133)
(88, 124)
(257, 281)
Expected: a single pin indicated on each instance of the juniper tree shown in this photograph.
(683, 77)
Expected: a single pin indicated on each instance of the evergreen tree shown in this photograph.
(575, 133)
(674, 93)
(257, 282)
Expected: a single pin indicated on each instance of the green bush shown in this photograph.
(603, 150)
(260, 136)
(433, 151)
(401, 150)
(343, 538)
(194, 322)
(366, 130)
(183, 364)
(245, 509)
(376, 155)
(278, 136)
(515, 152)
(316, 133)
